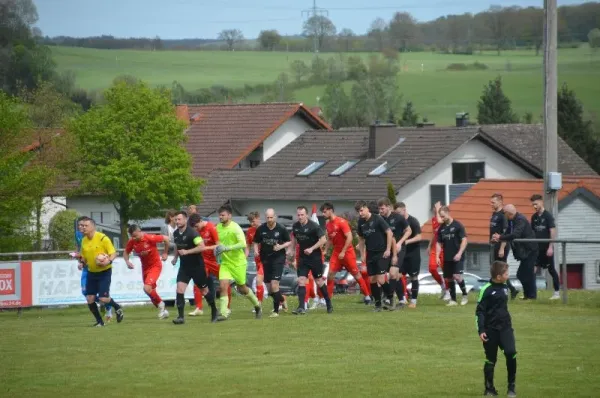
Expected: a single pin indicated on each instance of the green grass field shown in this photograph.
(437, 93)
(432, 351)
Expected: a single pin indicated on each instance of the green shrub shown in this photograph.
(61, 229)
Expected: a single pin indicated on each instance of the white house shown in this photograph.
(424, 165)
(578, 215)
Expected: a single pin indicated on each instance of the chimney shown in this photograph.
(183, 113)
(382, 136)
(462, 119)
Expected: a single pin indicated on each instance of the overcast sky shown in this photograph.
(176, 19)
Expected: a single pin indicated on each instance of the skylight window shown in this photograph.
(311, 168)
(379, 170)
(344, 168)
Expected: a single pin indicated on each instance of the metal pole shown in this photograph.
(563, 272)
(20, 309)
(550, 107)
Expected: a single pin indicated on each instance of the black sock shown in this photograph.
(218, 294)
(463, 287)
(400, 289)
(511, 287)
(414, 290)
(452, 288)
(301, 296)
(376, 292)
(393, 283)
(180, 300)
(387, 291)
(488, 374)
(94, 309)
(276, 301)
(325, 293)
(210, 300)
(116, 306)
(511, 368)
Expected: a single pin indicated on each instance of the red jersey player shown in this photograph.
(339, 236)
(144, 245)
(208, 233)
(433, 255)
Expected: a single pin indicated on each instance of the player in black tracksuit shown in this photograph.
(499, 225)
(494, 327)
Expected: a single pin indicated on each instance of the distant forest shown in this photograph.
(498, 28)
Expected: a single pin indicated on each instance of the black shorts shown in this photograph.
(194, 272)
(544, 261)
(98, 283)
(306, 264)
(401, 255)
(503, 339)
(451, 268)
(412, 263)
(273, 269)
(377, 264)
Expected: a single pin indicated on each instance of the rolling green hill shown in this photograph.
(436, 92)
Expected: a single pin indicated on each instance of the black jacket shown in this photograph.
(519, 228)
(492, 308)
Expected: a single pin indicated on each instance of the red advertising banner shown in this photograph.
(15, 285)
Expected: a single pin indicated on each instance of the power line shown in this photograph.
(315, 11)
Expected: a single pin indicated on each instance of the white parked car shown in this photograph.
(428, 285)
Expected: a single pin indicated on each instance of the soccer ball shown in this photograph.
(102, 260)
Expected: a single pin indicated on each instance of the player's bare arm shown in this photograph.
(199, 248)
(403, 239)
(438, 248)
(320, 243)
(165, 254)
(284, 245)
(550, 250)
(361, 248)
(415, 239)
(389, 243)
(463, 247)
(127, 261)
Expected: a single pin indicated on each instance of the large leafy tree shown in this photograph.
(320, 27)
(494, 106)
(132, 153)
(575, 130)
(22, 179)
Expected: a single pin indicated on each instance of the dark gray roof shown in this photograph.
(421, 149)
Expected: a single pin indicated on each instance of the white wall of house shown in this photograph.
(49, 210)
(578, 220)
(416, 194)
(101, 211)
(291, 129)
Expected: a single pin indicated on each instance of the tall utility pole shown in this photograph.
(312, 13)
(550, 106)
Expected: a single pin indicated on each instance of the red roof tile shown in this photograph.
(221, 135)
(473, 209)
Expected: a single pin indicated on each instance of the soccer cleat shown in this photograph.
(464, 300)
(412, 305)
(258, 313)
(98, 325)
(377, 309)
(511, 390)
(555, 296)
(329, 308)
(451, 303)
(386, 302)
(178, 321)
(514, 294)
(367, 300)
(299, 311)
(274, 315)
(222, 318)
(120, 315)
(214, 317)
(490, 392)
(108, 319)
(197, 311)
(163, 314)
(447, 296)
(314, 305)
(443, 294)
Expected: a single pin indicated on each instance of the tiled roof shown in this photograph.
(421, 149)
(221, 135)
(473, 207)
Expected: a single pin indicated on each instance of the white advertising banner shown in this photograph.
(58, 282)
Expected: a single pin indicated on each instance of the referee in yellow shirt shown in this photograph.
(98, 253)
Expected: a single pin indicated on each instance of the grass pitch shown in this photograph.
(432, 351)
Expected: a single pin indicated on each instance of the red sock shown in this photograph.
(155, 298)
(260, 292)
(364, 287)
(198, 297)
(406, 291)
(330, 285)
(229, 296)
(434, 272)
(310, 288)
(365, 278)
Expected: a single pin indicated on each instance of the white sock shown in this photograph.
(161, 306)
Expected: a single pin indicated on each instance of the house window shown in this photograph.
(437, 193)
(102, 217)
(474, 261)
(379, 170)
(597, 271)
(117, 243)
(467, 173)
(344, 168)
(311, 168)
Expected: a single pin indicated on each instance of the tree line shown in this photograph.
(498, 28)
